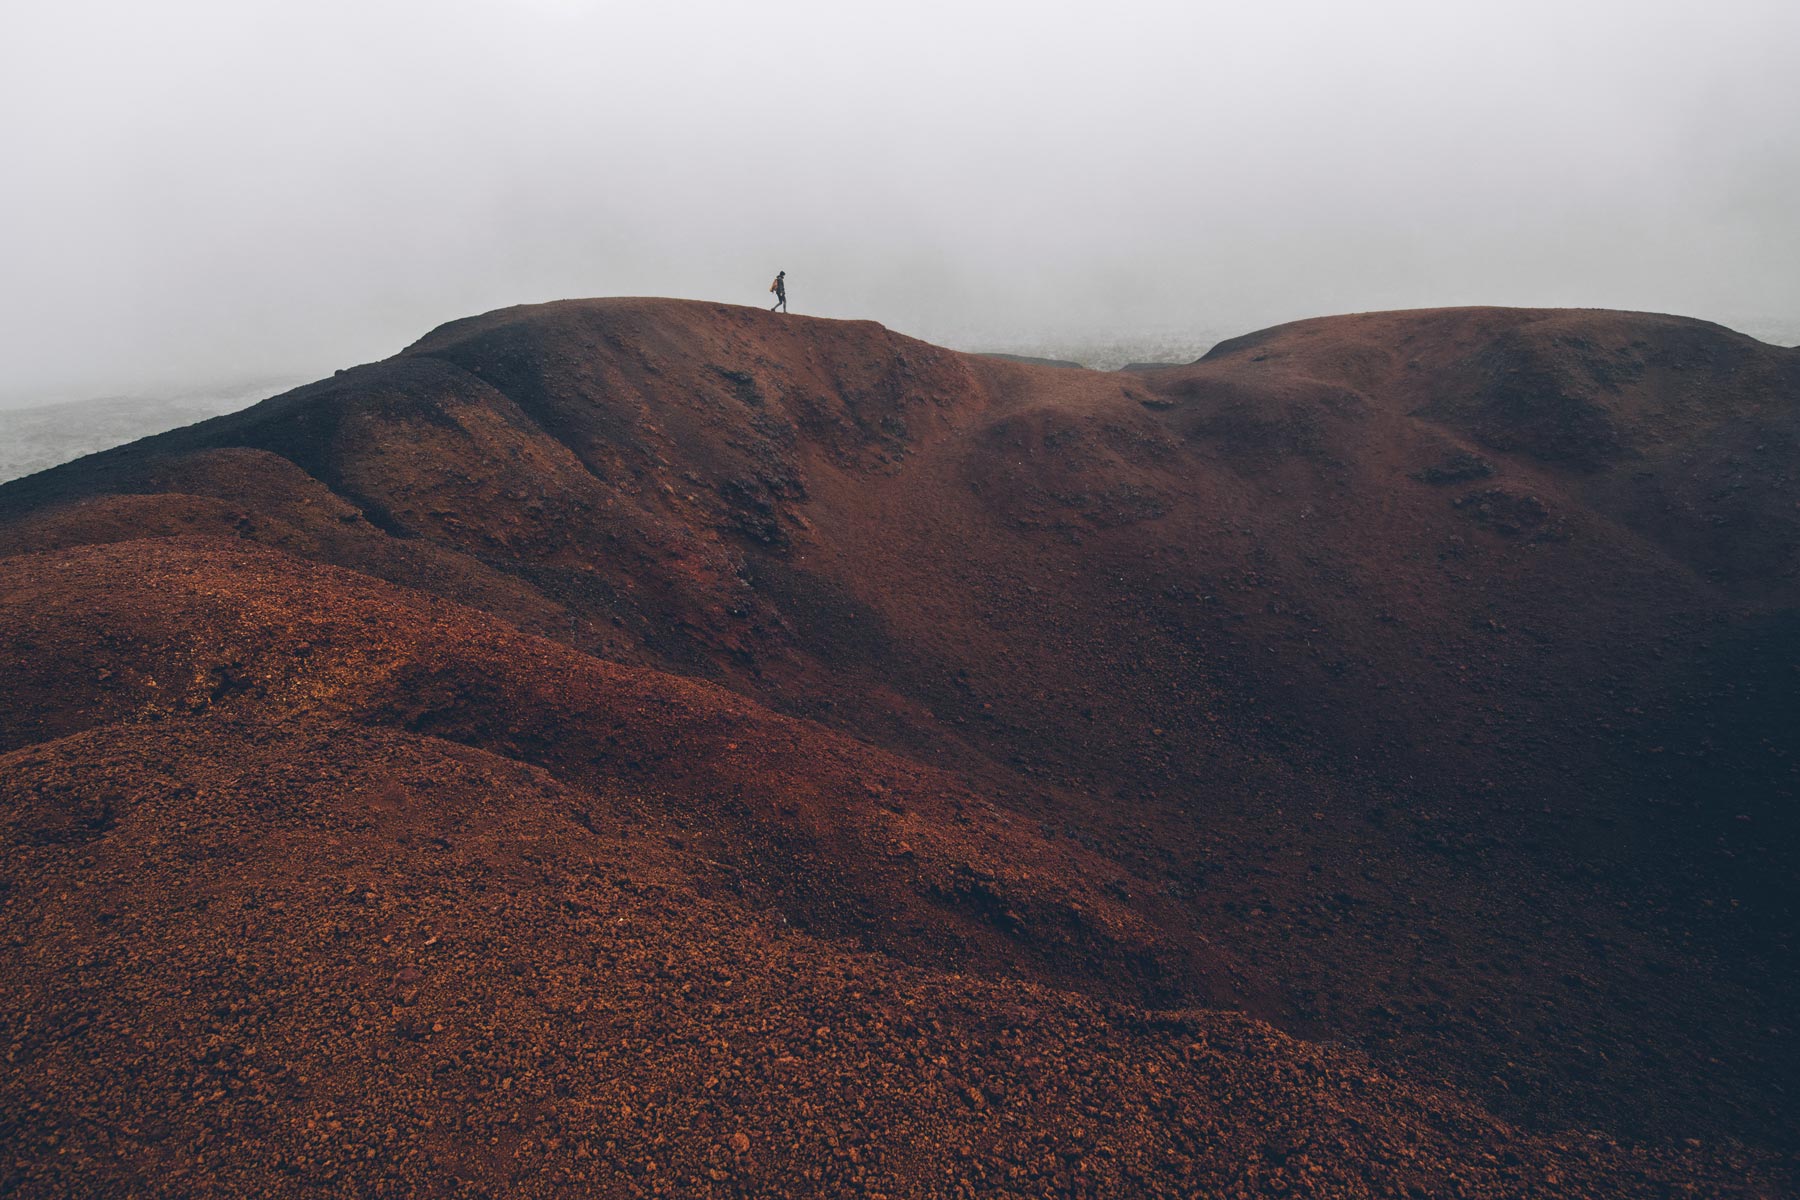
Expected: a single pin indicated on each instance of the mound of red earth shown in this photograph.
(640, 747)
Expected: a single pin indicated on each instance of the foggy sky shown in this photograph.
(201, 191)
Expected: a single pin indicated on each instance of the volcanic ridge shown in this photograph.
(657, 748)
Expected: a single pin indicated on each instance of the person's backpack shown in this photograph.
(776, 286)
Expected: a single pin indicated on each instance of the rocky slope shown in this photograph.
(679, 747)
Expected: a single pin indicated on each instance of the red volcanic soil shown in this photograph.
(641, 747)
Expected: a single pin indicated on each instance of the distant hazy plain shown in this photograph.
(36, 439)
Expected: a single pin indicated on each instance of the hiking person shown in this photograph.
(779, 287)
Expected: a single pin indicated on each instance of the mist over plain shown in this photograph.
(200, 192)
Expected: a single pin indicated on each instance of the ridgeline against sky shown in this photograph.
(202, 190)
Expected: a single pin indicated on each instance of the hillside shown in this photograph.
(608, 727)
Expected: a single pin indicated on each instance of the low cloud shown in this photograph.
(207, 191)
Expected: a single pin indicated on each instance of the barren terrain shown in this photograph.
(640, 747)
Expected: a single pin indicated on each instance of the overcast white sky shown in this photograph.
(194, 192)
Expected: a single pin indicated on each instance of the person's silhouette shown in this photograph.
(779, 287)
